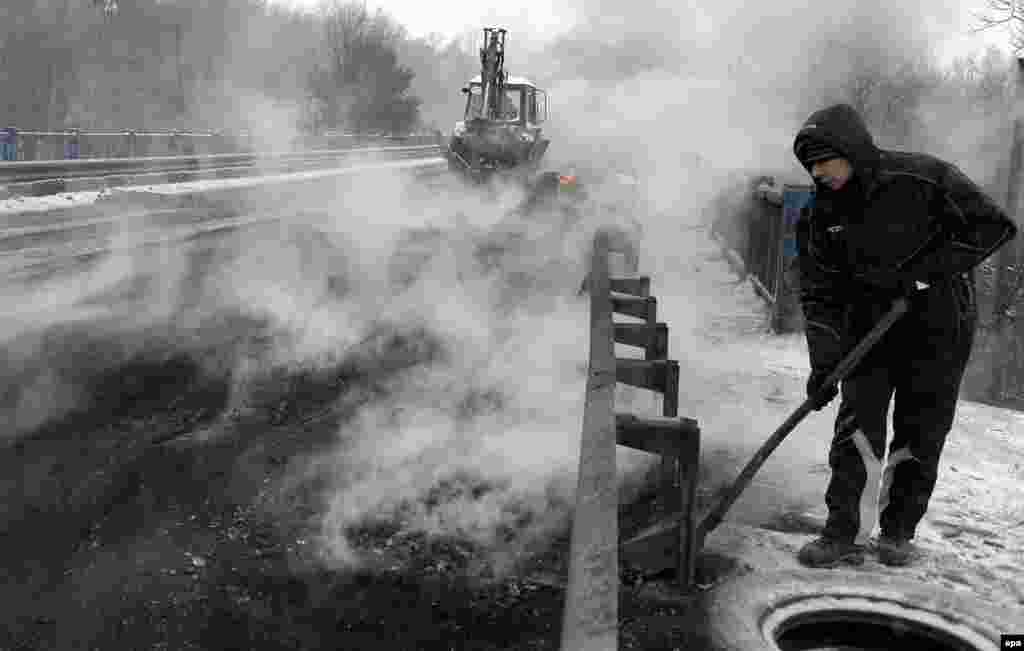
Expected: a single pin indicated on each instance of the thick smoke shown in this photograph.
(481, 442)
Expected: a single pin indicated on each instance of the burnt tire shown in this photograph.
(824, 609)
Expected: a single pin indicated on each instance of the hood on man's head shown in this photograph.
(836, 129)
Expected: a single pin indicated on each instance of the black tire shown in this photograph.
(739, 610)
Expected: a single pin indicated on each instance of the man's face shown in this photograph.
(834, 172)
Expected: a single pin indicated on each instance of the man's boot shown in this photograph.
(894, 551)
(830, 552)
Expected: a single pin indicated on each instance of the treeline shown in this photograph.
(225, 64)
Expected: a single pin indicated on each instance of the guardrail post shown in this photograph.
(130, 143)
(28, 146)
(219, 142)
(72, 145)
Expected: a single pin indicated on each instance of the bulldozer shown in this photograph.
(500, 131)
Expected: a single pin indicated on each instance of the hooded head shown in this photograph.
(835, 140)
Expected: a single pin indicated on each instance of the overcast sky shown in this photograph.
(451, 17)
(543, 19)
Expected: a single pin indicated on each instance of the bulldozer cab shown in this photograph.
(521, 102)
(501, 125)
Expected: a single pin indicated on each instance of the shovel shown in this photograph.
(715, 515)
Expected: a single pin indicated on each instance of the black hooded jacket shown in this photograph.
(904, 217)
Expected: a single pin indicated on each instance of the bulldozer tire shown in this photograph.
(801, 609)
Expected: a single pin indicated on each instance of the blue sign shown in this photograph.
(796, 201)
(9, 144)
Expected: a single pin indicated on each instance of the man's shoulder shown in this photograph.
(899, 165)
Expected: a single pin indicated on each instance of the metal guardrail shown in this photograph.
(590, 618)
(52, 176)
(27, 145)
(763, 248)
(760, 240)
(31, 248)
(15, 172)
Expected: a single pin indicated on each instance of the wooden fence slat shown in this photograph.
(635, 286)
(651, 374)
(642, 335)
(665, 436)
(639, 307)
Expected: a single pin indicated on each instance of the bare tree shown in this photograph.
(1004, 13)
(361, 82)
(158, 64)
(109, 7)
(441, 69)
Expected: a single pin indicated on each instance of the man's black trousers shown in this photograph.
(918, 366)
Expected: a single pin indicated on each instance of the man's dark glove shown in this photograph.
(814, 388)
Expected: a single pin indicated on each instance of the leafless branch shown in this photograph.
(1002, 13)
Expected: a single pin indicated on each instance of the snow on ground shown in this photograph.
(63, 200)
(740, 382)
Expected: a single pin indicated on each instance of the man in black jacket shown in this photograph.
(885, 225)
